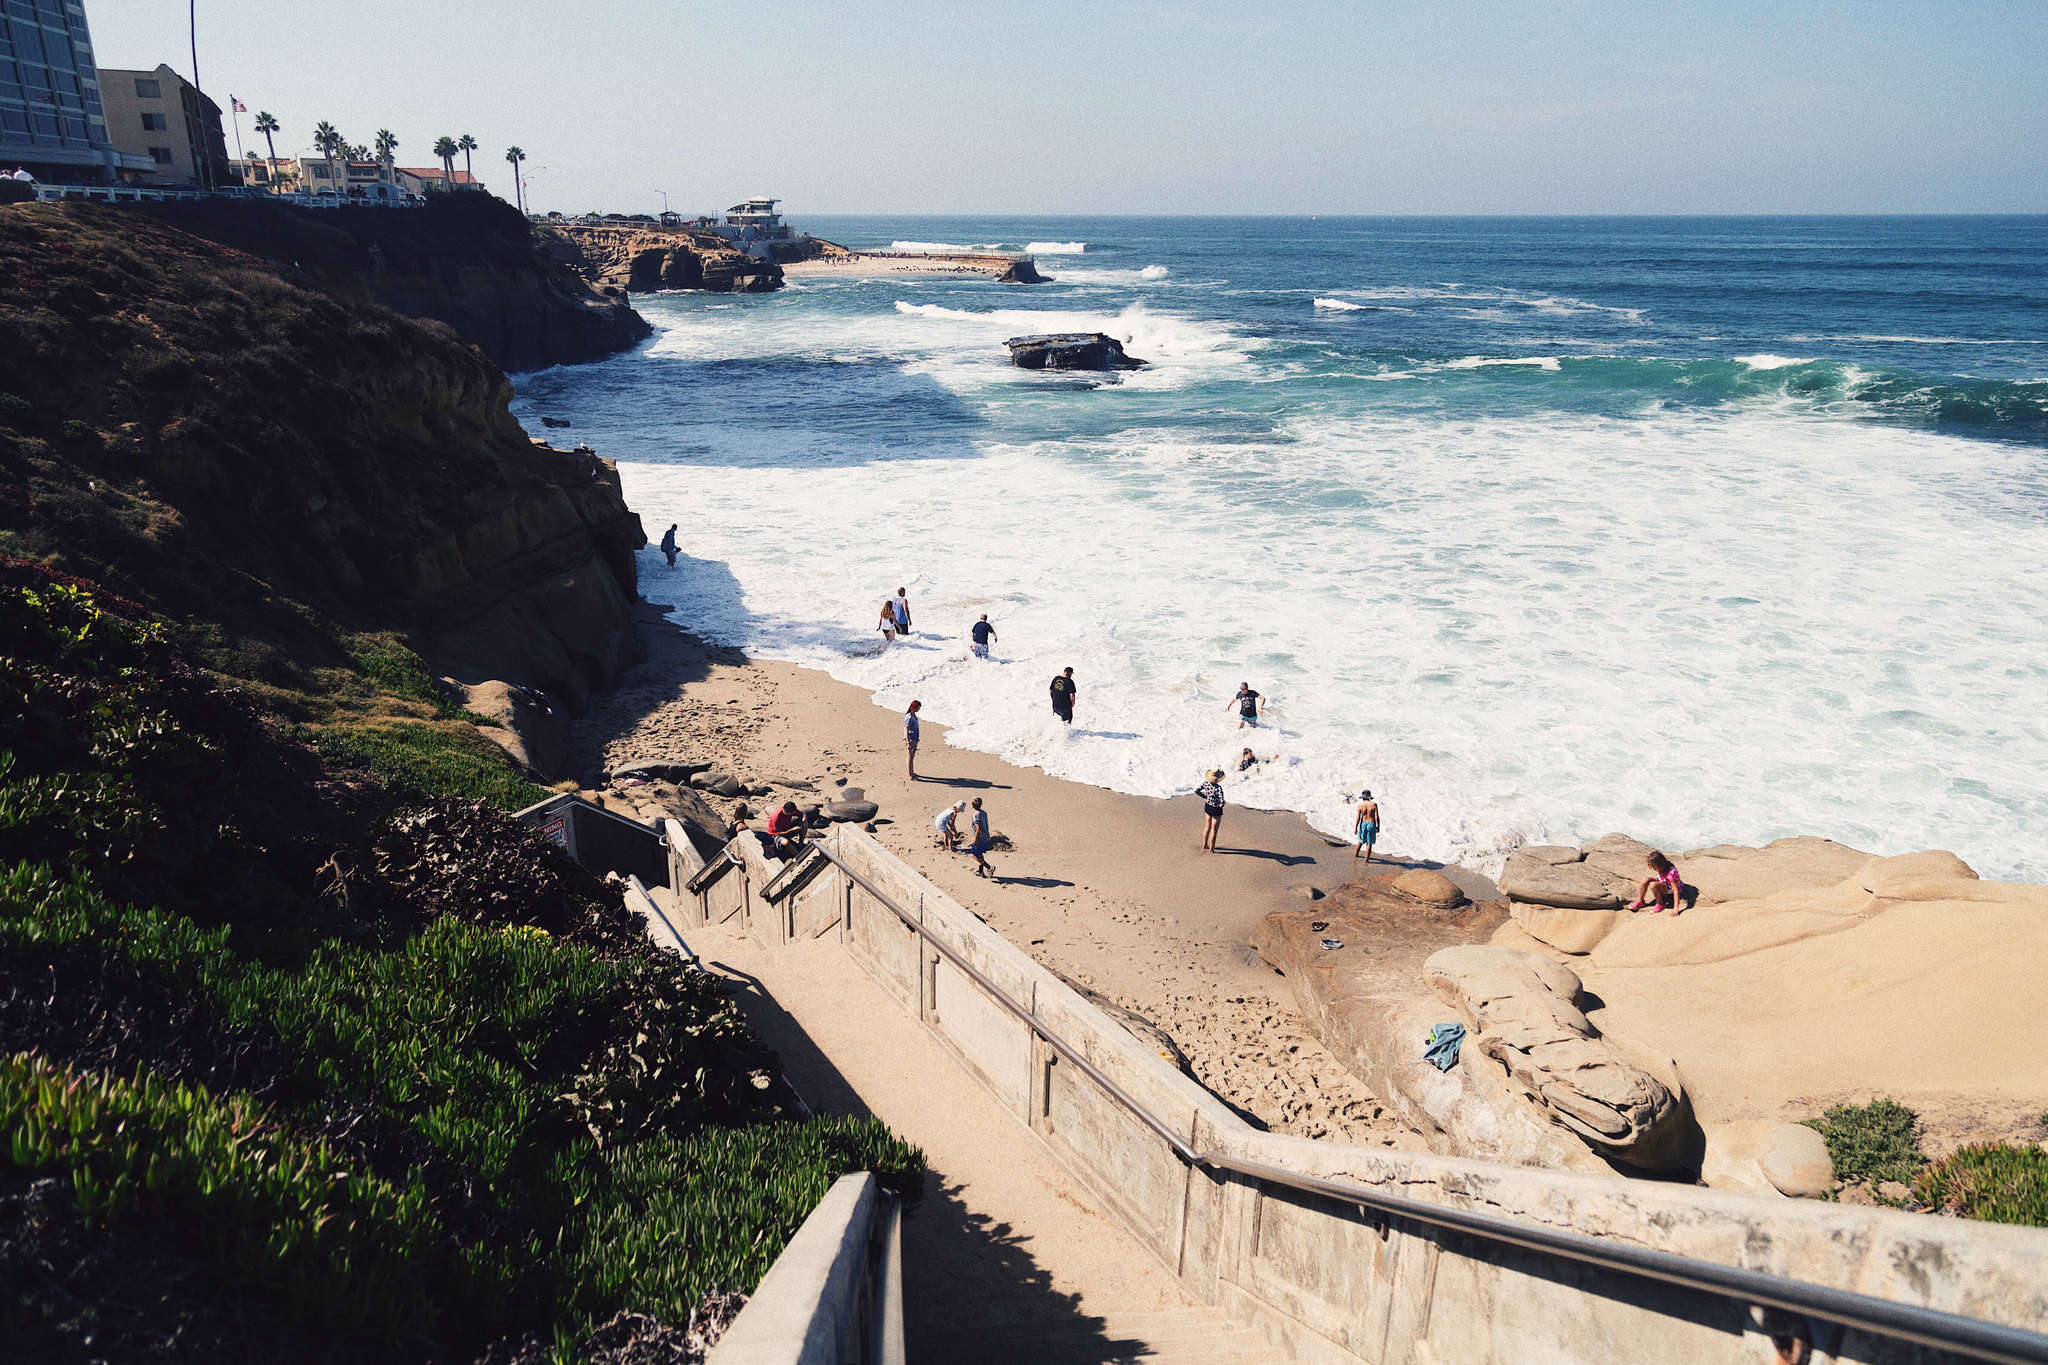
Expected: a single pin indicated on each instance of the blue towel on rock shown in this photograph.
(1444, 1041)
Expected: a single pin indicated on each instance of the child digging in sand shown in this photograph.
(1661, 886)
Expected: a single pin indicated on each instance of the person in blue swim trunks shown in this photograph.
(1368, 825)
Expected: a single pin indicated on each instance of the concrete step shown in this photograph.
(1190, 1336)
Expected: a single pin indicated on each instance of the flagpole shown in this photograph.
(236, 106)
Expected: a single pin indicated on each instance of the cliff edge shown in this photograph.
(641, 260)
(469, 260)
(271, 463)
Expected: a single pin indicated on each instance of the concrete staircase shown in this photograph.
(1182, 1336)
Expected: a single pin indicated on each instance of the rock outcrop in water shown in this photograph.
(1071, 351)
(469, 260)
(642, 260)
(190, 427)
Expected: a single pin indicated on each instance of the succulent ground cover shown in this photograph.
(305, 1065)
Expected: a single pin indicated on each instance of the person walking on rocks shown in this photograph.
(982, 632)
(900, 605)
(947, 826)
(1063, 694)
(1368, 825)
(1248, 704)
(910, 736)
(887, 622)
(980, 845)
(1211, 792)
(668, 545)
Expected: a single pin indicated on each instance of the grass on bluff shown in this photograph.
(418, 760)
(1873, 1143)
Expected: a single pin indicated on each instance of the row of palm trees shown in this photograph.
(332, 144)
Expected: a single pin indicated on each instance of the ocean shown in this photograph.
(1705, 530)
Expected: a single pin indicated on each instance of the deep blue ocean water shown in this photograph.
(1703, 529)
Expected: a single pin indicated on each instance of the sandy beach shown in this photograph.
(861, 265)
(1112, 890)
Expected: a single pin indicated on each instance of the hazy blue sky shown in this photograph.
(1439, 106)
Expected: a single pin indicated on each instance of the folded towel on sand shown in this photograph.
(1443, 1043)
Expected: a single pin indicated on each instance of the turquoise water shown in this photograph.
(1704, 530)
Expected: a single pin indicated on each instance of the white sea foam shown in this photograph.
(1767, 361)
(1056, 248)
(1925, 341)
(1152, 272)
(1731, 623)
(1481, 362)
(1341, 306)
(946, 248)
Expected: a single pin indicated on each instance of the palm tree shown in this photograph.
(329, 142)
(467, 144)
(387, 143)
(446, 149)
(266, 124)
(515, 156)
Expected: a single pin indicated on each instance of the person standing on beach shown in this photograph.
(668, 545)
(1248, 704)
(1368, 825)
(900, 605)
(910, 733)
(1063, 694)
(981, 841)
(888, 623)
(1211, 792)
(982, 632)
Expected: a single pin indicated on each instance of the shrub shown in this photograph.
(75, 430)
(402, 673)
(417, 762)
(1875, 1142)
(1995, 1181)
(662, 1223)
(13, 407)
(337, 1250)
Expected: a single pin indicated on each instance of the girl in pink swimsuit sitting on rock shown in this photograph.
(1662, 885)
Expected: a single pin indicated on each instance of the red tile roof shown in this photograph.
(436, 173)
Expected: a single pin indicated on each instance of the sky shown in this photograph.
(1265, 106)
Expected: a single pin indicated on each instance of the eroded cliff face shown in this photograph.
(262, 459)
(642, 260)
(469, 260)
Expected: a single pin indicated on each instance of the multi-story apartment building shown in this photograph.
(161, 116)
(52, 122)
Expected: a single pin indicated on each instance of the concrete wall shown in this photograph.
(821, 1303)
(1325, 1280)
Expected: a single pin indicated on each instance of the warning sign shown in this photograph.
(556, 829)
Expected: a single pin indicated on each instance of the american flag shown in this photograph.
(240, 107)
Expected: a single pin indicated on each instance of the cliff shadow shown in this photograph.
(966, 1272)
(652, 406)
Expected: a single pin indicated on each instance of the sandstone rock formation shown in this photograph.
(642, 260)
(1071, 351)
(1522, 1012)
(534, 734)
(1367, 1001)
(285, 464)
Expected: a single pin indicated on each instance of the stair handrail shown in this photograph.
(1930, 1327)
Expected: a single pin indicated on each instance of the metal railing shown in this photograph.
(1929, 1327)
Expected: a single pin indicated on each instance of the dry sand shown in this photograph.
(1112, 890)
(859, 265)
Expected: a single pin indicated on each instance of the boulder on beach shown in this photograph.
(1071, 351)
(853, 812)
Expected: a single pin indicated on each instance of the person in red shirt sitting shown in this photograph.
(787, 825)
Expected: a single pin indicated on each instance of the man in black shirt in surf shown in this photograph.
(1063, 694)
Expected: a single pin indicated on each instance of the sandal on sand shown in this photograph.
(1637, 905)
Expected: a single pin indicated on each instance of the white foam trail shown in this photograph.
(1056, 248)
(1481, 362)
(1767, 361)
(1925, 341)
(945, 248)
(1153, 272)
(1340, 306)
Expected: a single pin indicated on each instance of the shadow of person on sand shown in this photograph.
(1041, 883)
(978, 784)
(953, 1256)
(1284, 859)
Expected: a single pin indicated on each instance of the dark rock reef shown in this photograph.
(185, 424)
(1071, 351)
(469, 260)
(641, 260)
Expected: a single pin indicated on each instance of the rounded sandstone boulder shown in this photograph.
(1794, 1158)
(1432, 888)
(851, 812)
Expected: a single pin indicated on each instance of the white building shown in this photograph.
(753, 226)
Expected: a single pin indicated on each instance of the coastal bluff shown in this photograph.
(471, 261)
(640, 259)
(191, 427)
